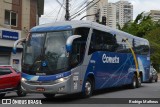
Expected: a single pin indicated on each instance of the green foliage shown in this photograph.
(143, 26)
(154, 39)
(140, 26)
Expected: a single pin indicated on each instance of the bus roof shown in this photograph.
(68, 25)
(64, 25)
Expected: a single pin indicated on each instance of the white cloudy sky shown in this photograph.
(52, 8)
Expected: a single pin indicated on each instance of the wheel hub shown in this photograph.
(88, 88)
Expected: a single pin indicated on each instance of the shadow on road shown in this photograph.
(112, 90)
(78, 99)
(73, 98)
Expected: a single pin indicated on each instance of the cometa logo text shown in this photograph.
(107, 59)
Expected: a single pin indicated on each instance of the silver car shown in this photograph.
(153, 75)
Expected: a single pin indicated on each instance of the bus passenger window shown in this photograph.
(110, 42)
(102, 41)
(96, 43)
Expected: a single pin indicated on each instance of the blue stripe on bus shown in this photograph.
(115, 74)
(46, 78)
(50, 28)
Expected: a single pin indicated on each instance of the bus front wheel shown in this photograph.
(20, 92)
(88, 88)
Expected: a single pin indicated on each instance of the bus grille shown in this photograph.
(41, 83)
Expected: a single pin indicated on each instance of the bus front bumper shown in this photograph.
(60, 86)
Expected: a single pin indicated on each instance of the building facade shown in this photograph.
(154, 14)
(124, 12)
(20, 14)
(115, 13)
(16, 19)
(111, 15)
(100, 7)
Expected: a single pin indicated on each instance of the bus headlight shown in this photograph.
(23, 79)
(61, 80)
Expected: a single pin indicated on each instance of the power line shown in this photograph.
(84, 10)
(53, 11)
(73, 3)
(79, 7)
(60, 4)
(59, 10)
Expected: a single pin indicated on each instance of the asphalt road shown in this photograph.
(148, 90)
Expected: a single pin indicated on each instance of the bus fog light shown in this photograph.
(61, 88)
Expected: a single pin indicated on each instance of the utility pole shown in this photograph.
(67, 16)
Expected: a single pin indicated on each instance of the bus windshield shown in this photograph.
(45, 53)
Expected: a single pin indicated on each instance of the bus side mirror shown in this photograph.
(70, 42)
(16, 43)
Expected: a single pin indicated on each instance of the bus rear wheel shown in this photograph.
(156, 80)
(134, 82)
(49, 95)
(88, 88)
(139, 82)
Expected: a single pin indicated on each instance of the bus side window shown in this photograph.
(142, 48)
(109, 42)
(102, 41)
(96, 43)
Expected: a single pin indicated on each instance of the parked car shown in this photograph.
(153, 75)
(10, 81)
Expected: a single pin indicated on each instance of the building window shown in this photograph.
(10, 18)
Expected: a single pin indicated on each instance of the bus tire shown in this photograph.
(139, 82)
(134, 82)
(150, 80)
(20, 92)
(156, 80)
(49, 95)
(88, 88)
(2, 95)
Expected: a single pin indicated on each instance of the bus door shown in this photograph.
(77, 57)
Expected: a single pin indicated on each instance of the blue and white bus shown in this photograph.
(81, 56)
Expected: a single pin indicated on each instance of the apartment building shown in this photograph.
(116, 13)
(155, 14)
(111, 15)
(124, 12)
(20, 14)
(16, 19)
(100, 7)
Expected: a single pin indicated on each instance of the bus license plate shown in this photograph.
(40, 89)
